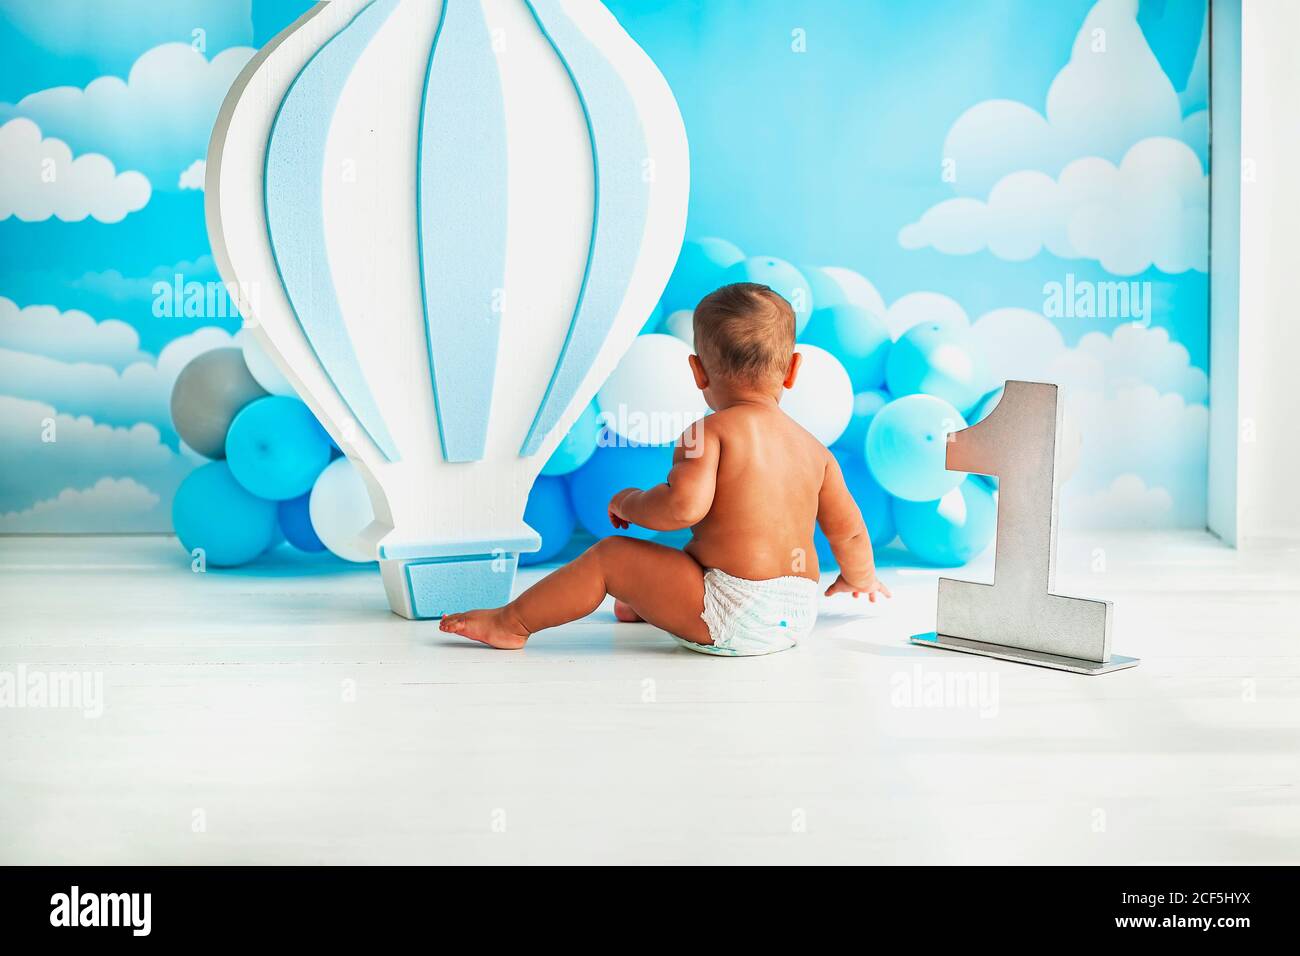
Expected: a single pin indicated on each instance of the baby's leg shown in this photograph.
(626, 612)
(662, 585)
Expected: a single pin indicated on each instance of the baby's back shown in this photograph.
(770, 474)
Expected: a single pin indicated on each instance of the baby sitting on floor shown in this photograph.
(748, 481)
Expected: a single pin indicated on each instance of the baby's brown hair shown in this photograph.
(745, 331)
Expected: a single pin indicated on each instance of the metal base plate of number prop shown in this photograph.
(1004, 653)
(1019, 617)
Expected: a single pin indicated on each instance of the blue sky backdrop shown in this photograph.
(821, 157)
(819, 133)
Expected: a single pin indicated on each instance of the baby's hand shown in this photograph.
(871, 588)
(616, 516)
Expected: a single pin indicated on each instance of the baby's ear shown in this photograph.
(697, 369)
(792, 373)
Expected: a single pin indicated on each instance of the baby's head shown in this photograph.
(744, 343)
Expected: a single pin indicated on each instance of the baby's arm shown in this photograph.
(685, 498)
(842, 523)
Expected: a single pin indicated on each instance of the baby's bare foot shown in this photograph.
(495, 627)
(623, 611)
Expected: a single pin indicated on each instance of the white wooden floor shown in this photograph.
(283, 716)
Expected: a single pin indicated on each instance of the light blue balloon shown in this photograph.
(577, 445)
(277, 539)
(611, 469)
(213, 511)
(826, 291)
(872, 500)
(550, 514)
(934, 359)
(952, 530)
(984, 406)
(780, 277)
(276, 448)
(865, 406)
(855, 336)
(907, 447)
(700, 269)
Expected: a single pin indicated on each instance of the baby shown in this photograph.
(748, 482)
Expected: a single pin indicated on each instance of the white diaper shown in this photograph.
(746, 618)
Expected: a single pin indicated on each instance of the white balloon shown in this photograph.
(264, 371)
(917, 307)
(340, 510)
(651, 398)
(822, 398)
(835, 285)
(682, 324)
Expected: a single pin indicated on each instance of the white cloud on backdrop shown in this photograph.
(1132, 397)
(1110, 95)
(1135, 400)
(71, 336)
(157, 121)
(1126, 503)
(1112, 172)
(1019, 343)
(1133, 355)
(1137, 431)
(192, 176)
(111, 504)
(111, 284)
(81, 454)
(40, 178)
(1153, 209)
(140, 392)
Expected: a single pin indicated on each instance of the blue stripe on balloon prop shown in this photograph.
(622, 198)
(436, 588)
(295, 215)
(461, 210)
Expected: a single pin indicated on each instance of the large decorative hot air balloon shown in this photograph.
(446, 222)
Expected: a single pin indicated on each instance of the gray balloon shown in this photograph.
(208, 394)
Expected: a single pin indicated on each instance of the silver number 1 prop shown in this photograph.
(1018, 617)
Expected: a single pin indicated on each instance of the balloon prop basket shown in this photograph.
(446, 401)
(422, 588)
(1038, 659)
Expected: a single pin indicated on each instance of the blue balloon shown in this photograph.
(295, 523)
(699, 270)
(780, 277)
(858, 338)
(213, 511)
(576, 446)
(865, 406)
(984, 406)
(872, 500)
(907, 447)
(934, 359)
(276, 448)
(550, 514)
(277, 539)
(951, 530)
(611, 469)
